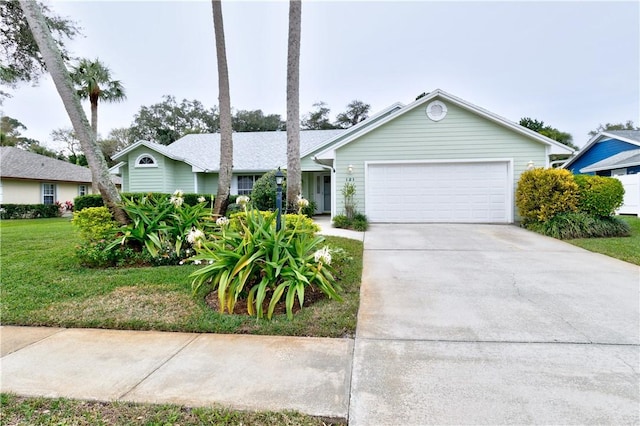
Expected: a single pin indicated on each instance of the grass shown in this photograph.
(44, 285)
(623, 248)
(60, 411)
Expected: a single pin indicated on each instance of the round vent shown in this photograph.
(436, 110)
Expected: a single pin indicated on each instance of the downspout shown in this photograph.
(332, 171)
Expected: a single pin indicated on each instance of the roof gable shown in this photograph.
(442, 95)
(620, 160)
(628, 136)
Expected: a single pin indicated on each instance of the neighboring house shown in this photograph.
(28, 178)
(613, 153)
(610, 153)
(438, 159)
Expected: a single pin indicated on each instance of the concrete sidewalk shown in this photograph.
(310, 375)
(324, 222)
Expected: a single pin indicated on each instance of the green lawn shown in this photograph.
(60, 411)
(43, 284)
(623, 248)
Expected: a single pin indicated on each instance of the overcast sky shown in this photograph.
(571, 64)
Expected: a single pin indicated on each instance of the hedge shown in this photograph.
(28, 211)
(95, 200)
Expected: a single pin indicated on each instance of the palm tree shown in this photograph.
(62, 80)
(294, 174)
(224, 99)
(93, 81)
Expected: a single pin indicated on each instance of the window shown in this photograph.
(146, 160)
(245, 184)
(82, 190)
(48, 193)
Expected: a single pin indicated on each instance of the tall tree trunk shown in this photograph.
(94, 115)
(224, 99)
(294, 174)
(56, 67)
(94, 127)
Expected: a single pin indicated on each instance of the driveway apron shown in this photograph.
(492, 324)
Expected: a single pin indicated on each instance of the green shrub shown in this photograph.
(571, 225)
(95, 224)
(543, 193)
(341, 221)
(310, 210)
(86, 201)
(28, 211)
(359, 222)
(263, 194)
(258, 263)
(599, 195)
(98, 254)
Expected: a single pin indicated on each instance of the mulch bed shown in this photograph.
(311, 296)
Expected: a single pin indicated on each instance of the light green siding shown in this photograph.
(183, 177)
(461, 135)
(146, 179)
(124, 170)
(208, 184)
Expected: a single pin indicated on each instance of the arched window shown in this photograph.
(146, 160)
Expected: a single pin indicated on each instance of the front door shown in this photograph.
(323, 193)
(327, 192)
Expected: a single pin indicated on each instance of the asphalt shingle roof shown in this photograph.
(629, 134)
(20, 164)
(620, 160)
(252, 151)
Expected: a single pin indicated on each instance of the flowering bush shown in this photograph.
(257, 262)
(164, 227)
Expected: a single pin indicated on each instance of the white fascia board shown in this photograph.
(620, 138)
(115, 170)
(355, 128)
(463, 104)
(609, 167)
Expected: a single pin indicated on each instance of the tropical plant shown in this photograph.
(93, 81)
(162, 225)
(257, 263)
(55, 65)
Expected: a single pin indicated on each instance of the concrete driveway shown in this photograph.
(492, 324)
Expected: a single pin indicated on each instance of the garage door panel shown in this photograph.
(438, 192)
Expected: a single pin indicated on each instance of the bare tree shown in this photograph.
(294, 174)
(56, 67)
(224, 99)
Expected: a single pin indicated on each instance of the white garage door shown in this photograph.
(439, 192)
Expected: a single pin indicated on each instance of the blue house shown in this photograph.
(609, 153)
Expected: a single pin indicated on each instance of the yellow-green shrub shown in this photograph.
(290, 220)
(94, 223)
(543, 193)
(599, 195)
